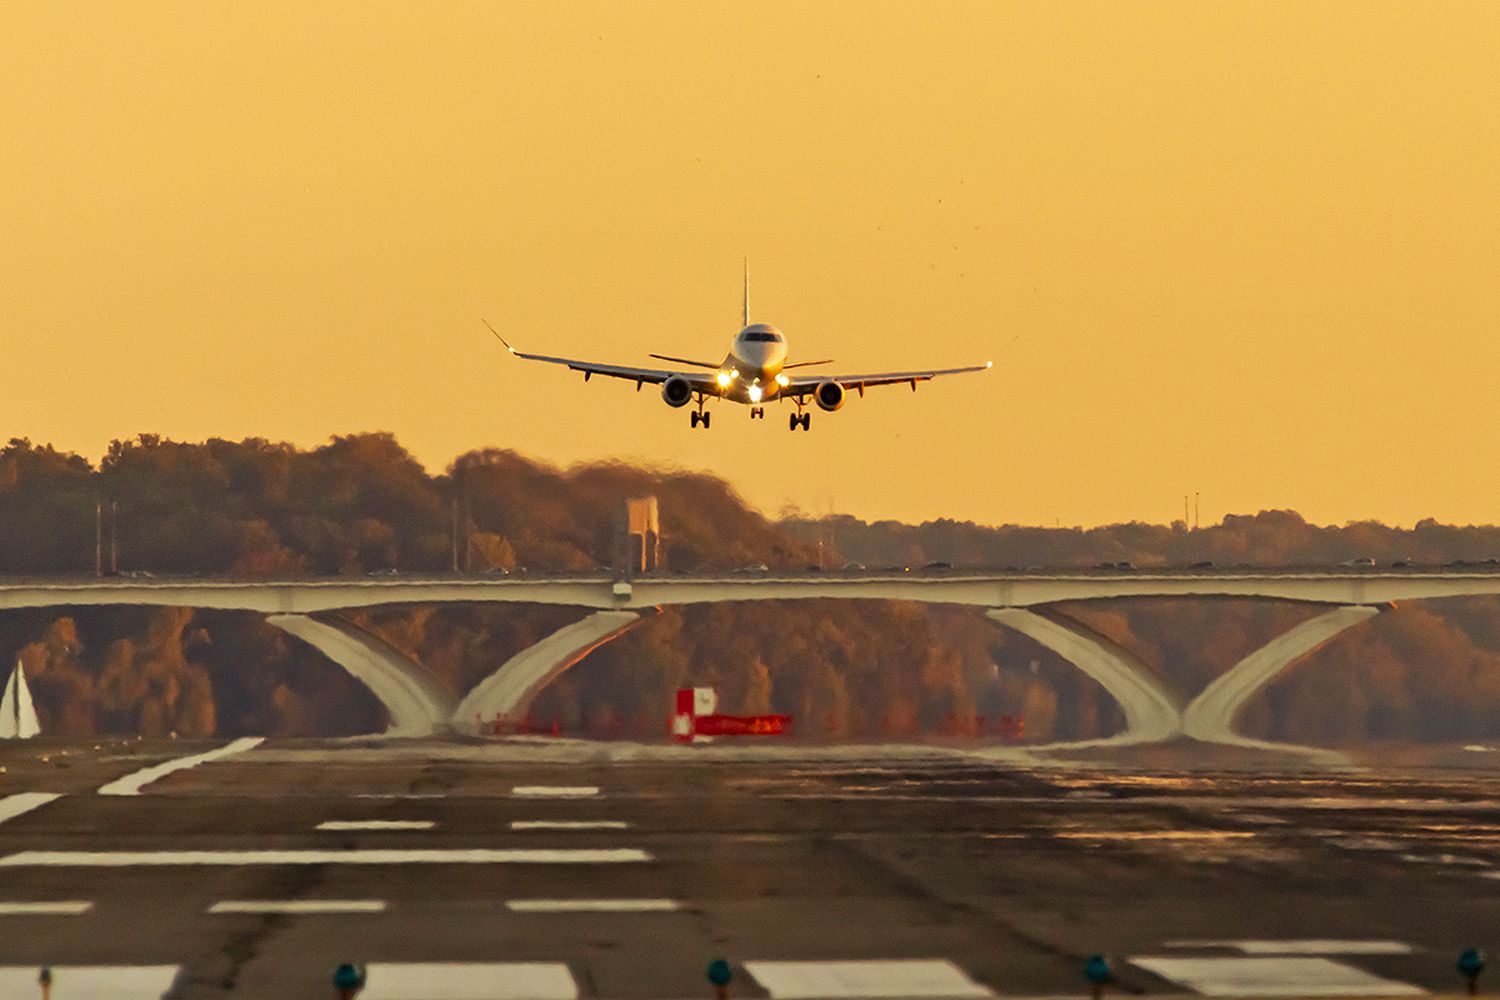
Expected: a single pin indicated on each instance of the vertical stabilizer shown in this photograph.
(747, 292)
(18, 719)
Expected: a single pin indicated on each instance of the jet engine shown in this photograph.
(676, 390)
(830, 395)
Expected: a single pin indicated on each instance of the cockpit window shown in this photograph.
(760, 335)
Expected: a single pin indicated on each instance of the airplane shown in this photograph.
(754, 372)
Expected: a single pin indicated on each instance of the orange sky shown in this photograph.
(1251, 250)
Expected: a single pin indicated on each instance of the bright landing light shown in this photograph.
(783, 381)
(724, 378)
(755, 394)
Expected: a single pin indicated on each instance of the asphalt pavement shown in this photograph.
(560, 870)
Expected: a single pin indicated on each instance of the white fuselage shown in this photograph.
(749, 374)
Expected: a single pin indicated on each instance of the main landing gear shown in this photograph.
(804, 420)
(757, 413)
(700, 418)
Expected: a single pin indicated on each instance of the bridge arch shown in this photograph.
(1210, 716)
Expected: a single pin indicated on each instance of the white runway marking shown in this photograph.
(90, 982)
(592, 905)
(132, 784)
(1272, 977)
(555, 791)
(49, 908)
(23, 802)
(472, 856)
(376, 824)
(569, 824)
(468, 981)
(298, 906)
(1304, 946)
(883, 978)
(398, 795)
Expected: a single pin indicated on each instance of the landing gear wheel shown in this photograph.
(704, 418)
(806, 419)
(693, 419)
(757, 413)
(791, 423)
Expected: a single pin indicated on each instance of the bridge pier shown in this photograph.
(510, 689)
(1151, 710)
(1210, 716)
(414, 702)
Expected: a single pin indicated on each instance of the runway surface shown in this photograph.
(561, 870)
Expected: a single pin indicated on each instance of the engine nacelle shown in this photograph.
(676, 390)
(830, 395)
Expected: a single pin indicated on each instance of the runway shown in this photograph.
(572, 870)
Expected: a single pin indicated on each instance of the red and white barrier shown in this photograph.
(695, 718)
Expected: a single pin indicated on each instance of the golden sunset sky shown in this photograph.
(1251, 250)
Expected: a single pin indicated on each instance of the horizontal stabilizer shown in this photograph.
(682, 361)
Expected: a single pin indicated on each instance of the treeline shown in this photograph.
(1271, 538)
(362, 504)
(359, 504)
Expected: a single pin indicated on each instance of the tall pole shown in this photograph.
(455, 534)
(98, 537)
(114, 538)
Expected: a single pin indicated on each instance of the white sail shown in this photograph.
(9, 717)
(18, 719)
(27, 724)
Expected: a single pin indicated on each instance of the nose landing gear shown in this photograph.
(757, 413)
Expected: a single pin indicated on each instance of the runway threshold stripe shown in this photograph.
(569, 824)
(23, 802)
(555, 791)
(94, 982)
(852, 980)
(48, 908)
(298, 906)
(1291, 976)
(468, 981)
(376, 824)
(1304, 946)
(132, 784)
(592, 905)
(476, 856)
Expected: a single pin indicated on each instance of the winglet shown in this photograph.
(747, 291)
(497, 335)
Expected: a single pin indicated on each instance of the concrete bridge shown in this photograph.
(416, 705)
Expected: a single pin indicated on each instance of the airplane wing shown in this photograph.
(701, 381)
(802, 385)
